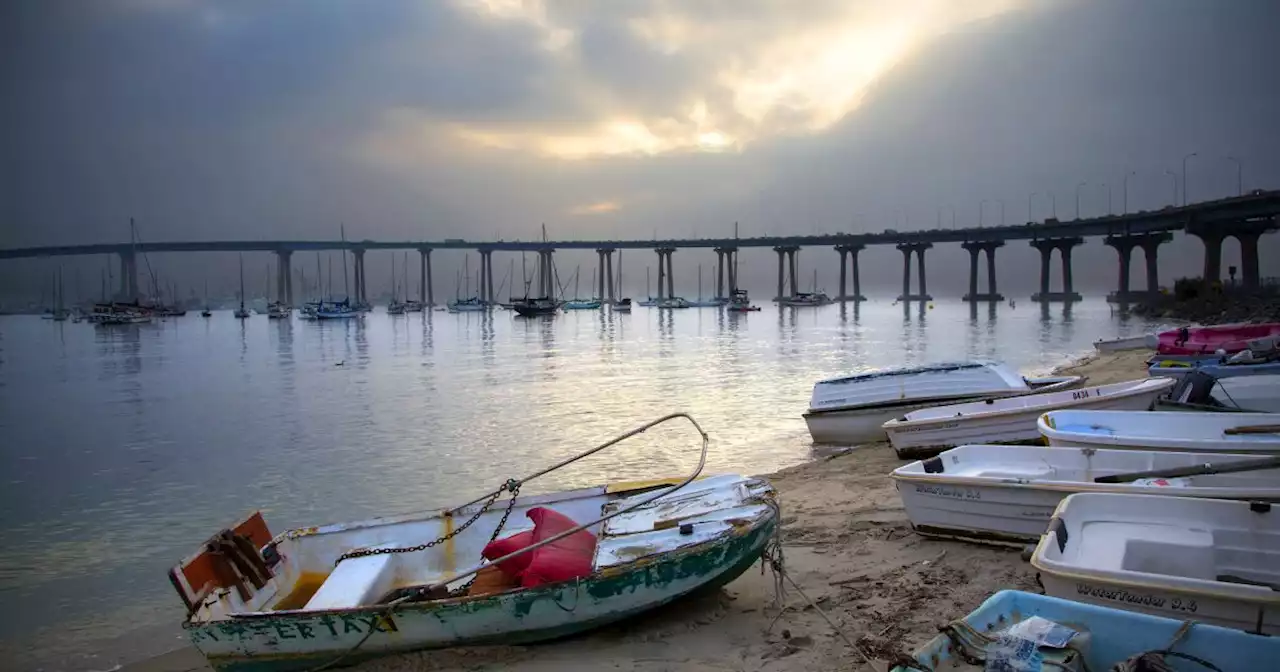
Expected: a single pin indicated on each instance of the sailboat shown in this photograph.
(242, 313)
(395, 307)
(807, 299)
(703, 303)
(649, 301)
(471, 304)
(59, 313)
(622, 305)
(580, 304)
(410, 305)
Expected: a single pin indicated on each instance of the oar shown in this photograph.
(1253, 429)
(1194, 470)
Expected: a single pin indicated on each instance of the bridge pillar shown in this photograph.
(608, 266)
(487, 289)
(791, 268)
(284, 277)
(1046, 246)
(720, 271)
(128, 276)
(1212, 254)
(974, 248)
(424, 277)
(1124, 245)
(845, 251)
(358, 273)
(907, 250)
(662, 269)
(1249, 260)
(731, 258)
(782, 253)
(671, 273)
(844, 271)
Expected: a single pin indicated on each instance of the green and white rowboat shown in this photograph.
(279, 603)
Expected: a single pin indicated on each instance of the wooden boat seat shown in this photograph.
(355, 582)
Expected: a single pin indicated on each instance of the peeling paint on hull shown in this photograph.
(292, 641)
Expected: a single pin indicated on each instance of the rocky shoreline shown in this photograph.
(1194, 303)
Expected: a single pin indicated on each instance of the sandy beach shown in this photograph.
(850, 547)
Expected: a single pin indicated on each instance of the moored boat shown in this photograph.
(805, 300)
(1007, 494)
(1225, 338)
(1182, 432)
(674, 302)
(528, 307)
(279, 311)
(471, 305)
(582, 304)
(853, 409)
(1114, 638)
(926, 431)
(622, 305)
(342, 593)
(1214, 561)
(740, 302)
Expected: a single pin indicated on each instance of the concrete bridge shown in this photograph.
(1245, 217)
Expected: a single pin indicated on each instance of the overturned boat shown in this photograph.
(1207, 560)
(1007, 494)
(852, 409)
(485, 572)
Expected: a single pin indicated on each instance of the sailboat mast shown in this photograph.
(700, 282)
(393, 278)
(242, 282)
(346, 288)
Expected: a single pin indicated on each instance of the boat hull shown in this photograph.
(1143, 342)
(283, 642)
(1007, 495)
(862, 425)
(1166, 556)
(1168, 431)
(924, 438)
(1116, 636)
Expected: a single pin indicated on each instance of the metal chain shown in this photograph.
(514, 488)
(511, 485)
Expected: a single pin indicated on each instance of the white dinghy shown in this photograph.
(1140, 342)
(926, 431)
(1187, 432)
(851, 409)
(1006, 494)
(1208, 560)
(560, 563)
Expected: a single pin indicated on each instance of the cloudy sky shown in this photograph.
(635, 118)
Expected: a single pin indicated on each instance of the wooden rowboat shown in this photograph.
(336, 594)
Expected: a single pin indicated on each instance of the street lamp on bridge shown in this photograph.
(1082, 184)
(1126, 189)
(1239, 175)
(1174, 175)
(1184, 177)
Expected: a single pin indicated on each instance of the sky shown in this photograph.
(486, 119)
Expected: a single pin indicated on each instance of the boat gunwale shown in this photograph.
(1048, 385)
(1140, 386)
(612, 571)
(1202, 587)
(1085, 486)
(1077, 439)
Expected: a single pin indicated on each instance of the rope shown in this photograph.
(1154, 661)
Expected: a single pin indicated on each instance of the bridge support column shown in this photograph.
(720, 272)
(731, 258)
(358, 275)
(782, 253)
(284, 277)
(907, 250)
(846, 251)
(486, 276)
(1249, 260)
(1046, 247)
(1124, 245)
(424, 277)
(128, 276)
(1212, 255)
(671, 273)
(608, 271)
(791, 269)
(974, 248)
(662, 269)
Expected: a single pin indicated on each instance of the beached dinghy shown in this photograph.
(1010, 420)
(1115, 637)
(1209, 560)
(1200, 391)
(1140, 342)
(1226, 338)
(1183, 432)
(1008, 493)
(316, 595)
(851, 409)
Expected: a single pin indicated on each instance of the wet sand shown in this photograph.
(849, 546)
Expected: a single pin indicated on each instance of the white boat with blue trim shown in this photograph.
(1208, 560)
(1176, 431)
(927, 431)
(337, 594)
(852, 409)
(1007, 494)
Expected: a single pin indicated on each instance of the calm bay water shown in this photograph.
(123, 448)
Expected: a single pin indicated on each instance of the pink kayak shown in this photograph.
(1231, 338)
